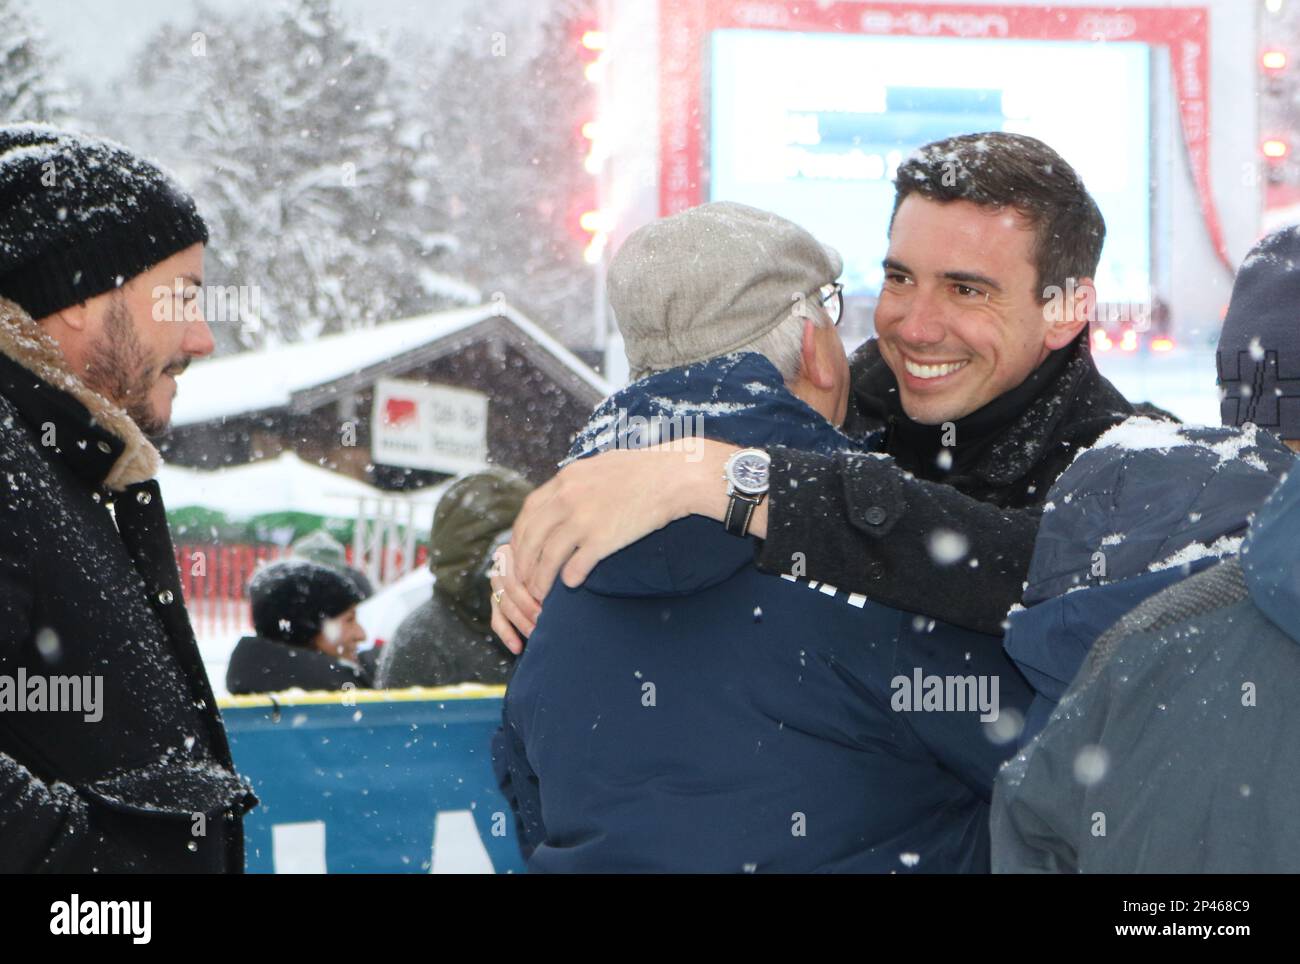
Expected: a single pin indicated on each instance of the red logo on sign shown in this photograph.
(399, 410)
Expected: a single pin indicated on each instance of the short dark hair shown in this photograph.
(999, 170)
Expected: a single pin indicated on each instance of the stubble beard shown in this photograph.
(120, 368)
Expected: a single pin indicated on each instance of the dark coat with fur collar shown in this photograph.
(142, 781)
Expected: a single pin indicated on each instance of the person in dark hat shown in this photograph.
(1259, 345)
(305, 617)
(97, 247)
(102, 252)
(320, 546)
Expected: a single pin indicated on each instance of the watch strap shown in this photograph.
(740, 512)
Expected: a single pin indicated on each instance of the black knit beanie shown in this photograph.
(80, 216)
(1259, 346)
(293, 598)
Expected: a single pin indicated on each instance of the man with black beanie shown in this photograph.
(305, 615)
(101, 265)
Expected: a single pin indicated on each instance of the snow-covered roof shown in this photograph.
(256, 381)
(282, 484)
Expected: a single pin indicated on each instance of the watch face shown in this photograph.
(749, 472)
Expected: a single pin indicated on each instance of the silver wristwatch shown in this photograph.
(746, 474)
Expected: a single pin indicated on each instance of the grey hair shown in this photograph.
(782, 346)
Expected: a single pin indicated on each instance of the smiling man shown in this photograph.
(983, 384)
(955, 338)
(90, 237)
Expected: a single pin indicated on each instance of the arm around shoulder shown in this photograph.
(861, 523)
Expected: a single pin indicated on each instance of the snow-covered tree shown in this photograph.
(285, 127)
(354, 180)
(29, 87)
(509, 112)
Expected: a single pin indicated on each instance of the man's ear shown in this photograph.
(76, 317)
(810, 359)
(1079, 311)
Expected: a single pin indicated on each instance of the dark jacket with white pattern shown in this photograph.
(1150, 504)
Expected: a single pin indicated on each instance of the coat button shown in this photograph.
(95, 496)
(165, 597)
(876, 515)
(876, 569)
(105, 447)
(144, 498)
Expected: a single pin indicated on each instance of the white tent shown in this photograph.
(283, 484)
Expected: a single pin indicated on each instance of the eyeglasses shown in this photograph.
(832, 299)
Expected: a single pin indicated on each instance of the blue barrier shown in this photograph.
(386, 781)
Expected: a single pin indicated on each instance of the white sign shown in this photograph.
(433, 427)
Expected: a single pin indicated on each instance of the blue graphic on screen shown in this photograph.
(813, 126)
(913, 115)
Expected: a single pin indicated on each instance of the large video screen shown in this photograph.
(813, 126)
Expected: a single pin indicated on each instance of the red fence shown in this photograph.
(215, 578)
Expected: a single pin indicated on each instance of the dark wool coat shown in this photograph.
(89, 589)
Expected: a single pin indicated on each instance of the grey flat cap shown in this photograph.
(710, 280)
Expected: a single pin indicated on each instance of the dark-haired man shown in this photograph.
(985, 388)
(96, 246)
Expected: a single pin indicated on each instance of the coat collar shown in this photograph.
(1014, 451)
(97, 439)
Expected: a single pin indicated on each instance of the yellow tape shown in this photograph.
(461, 691)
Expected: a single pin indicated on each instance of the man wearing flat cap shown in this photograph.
(683, 710)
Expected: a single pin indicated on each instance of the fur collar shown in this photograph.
(25, 342)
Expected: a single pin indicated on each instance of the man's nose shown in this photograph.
(198, 341)
(921, 323)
